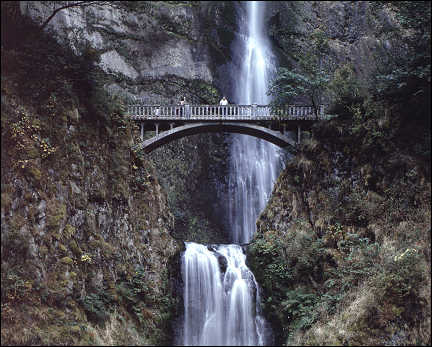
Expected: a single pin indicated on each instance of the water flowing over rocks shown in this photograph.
(218, 304)
(221, 311)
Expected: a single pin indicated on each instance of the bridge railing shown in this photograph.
(228, 112)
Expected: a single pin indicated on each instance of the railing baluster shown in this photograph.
(225, 112)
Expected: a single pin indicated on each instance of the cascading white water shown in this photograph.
(222, 307)
(203, 297)
(254, 163)
(219, 308)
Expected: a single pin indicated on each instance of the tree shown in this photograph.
(309, 78)
(65, 6)
(58, 6)
(344, 90)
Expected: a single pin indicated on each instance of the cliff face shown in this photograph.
(87, 252)
(343, 247)
(159, 52)
(356, 34)
(85, 231)
(137, 42)
(342, 250)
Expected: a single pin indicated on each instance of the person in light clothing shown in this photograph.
(223, 102)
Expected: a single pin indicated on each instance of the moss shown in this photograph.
(69, 231)
(66, 260)
(62, 248)
(16, 223)
(76, 250)
(32, 153)
(56, 236)
(28, 197)
(90, 221)
(43, 250)
(56, 212)
(75, 329)
(35, 173)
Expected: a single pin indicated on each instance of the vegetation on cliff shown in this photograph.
(343, 247)
(86, 253)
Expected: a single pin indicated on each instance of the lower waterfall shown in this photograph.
(221, 296)
(218, 305)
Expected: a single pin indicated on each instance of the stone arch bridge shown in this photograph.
(262, 121)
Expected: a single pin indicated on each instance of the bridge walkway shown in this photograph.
(263, 121)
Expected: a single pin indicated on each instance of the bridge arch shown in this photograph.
(275, 137)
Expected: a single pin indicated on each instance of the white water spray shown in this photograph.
(222, 307)
(219, 308)
(254, 163)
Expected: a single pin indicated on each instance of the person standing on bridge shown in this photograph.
(223, 102)
(186, 107)
(182, 103)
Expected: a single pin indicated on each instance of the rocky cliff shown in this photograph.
(87, 251)
(342, 249)
(157, 52)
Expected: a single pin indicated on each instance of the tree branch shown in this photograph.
(73, 4)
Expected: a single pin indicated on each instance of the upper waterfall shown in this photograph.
(254, 164)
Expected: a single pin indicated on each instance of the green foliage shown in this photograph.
(403, 69)
(402, 276)
(15, 287)
(134, 293)
(344, 90)
(310, 78)
(300, 309)
(285, 264)
(98, 306)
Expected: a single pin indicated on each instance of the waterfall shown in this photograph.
(254, 163)
(219, 308)
(221, 295)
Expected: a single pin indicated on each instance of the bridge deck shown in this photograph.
(262, 121)
(248, 113)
